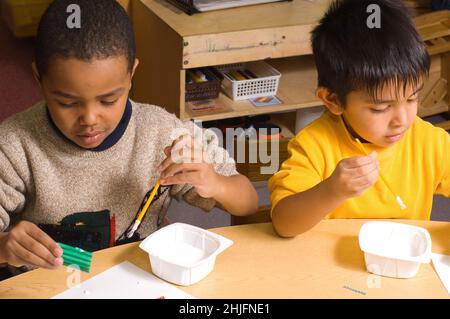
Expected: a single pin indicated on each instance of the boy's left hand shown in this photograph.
(186, 163)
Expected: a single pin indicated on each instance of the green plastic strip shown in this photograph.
(74, 249)
(76, 256)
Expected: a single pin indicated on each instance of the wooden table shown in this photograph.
(325, 262)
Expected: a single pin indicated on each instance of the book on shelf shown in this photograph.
(193, 6)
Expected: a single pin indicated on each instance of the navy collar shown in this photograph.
(112, 138)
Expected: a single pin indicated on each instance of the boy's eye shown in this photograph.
(109, 102)
(67, 104)
(380, 110)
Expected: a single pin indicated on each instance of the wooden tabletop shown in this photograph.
(325, 262)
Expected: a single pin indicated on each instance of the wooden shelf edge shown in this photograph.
(236, 113)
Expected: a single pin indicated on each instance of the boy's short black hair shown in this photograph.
(105, 31)
(351, 56)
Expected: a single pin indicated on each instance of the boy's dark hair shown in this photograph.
(105, 31)
(351, 56)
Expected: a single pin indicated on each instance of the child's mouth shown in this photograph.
(90, 138)
(394, 137)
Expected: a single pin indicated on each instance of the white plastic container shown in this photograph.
(183, 254)
(394, 249)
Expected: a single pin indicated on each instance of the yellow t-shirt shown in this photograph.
(416, 167)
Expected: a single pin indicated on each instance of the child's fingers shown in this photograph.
(166, 163)
(358, 161)
(183, 141)
(191, 178)
(45, 240)
(361, 171)
(186, 156)
(167, 150)
(175, 148)
(177, 168)
(25, 256)
(368, 179)
(36, 247)
(186, 143)
(177, 140)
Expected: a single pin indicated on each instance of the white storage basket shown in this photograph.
(266, 83)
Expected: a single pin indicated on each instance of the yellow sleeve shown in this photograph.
(443, 187)
(298, 173)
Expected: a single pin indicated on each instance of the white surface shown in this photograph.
(207, 5)
(183, 254)
(124, 281)
(394, 249)
(441, 264)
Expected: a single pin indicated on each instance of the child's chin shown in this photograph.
(381, 142)
(87, 146)
(386, 143)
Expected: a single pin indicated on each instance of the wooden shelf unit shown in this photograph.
(169, 42)
(434, 28)
(296, 90)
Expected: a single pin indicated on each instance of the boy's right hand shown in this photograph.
(27, 244)
(354, 175)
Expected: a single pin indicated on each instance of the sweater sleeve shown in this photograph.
(12, 191)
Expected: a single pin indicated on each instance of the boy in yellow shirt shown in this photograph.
(369, 80)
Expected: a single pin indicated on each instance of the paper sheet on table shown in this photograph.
(124, 281)
(442, 265)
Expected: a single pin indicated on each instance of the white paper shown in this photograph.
(442, 265)
(207, 5)
(124, 281)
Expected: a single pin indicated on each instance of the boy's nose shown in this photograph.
(88, 117)
(400, 117)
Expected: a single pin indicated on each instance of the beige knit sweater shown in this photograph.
(44, 178)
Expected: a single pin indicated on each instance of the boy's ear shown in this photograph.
(330, 100)
(136, 63)
(35, 73)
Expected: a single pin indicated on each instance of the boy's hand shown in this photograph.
(27, 244)
(355, 175)
(186, 164)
